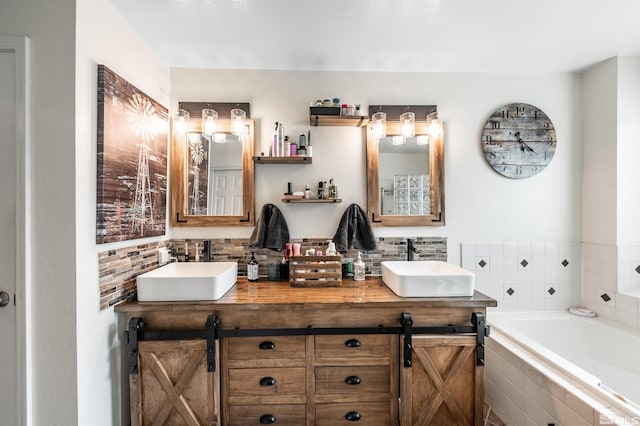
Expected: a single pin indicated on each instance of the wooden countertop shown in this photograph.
(263, 294)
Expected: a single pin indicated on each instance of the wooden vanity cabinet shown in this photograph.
(444, 385)
(173, 386)
(309, 377)
(356, 379)
(264, 380)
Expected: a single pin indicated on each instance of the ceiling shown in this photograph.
(519, 36)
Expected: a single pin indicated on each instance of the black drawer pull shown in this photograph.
(267, 346)
(353, 416)
(352, 343)
(352, 380)
(267, 419)
(267, 381)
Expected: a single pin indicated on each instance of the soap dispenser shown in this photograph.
(331, 250)
(358, 269)
(252, 268)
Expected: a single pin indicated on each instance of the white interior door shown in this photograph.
(13, 140)
(227, 193)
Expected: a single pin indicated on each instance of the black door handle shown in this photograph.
(267, 346)
(267, 419)
(353, 343)
(267, 381)
(352, 380)
(353, 416)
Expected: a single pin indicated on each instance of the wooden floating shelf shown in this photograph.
(283, 160)
(312, 200)
(338, 120)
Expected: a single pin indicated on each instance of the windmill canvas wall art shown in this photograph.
(132, 161)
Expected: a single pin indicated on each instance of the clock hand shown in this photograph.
(523, 145)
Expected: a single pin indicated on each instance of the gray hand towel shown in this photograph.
(354, 231)
(271, 231)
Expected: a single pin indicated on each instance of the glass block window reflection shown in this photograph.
(411, 195)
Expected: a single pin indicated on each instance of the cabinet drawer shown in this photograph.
(266, 381)
(270, 347)
(361, 413)
(353, 379)
(294, 415)
(347, 346)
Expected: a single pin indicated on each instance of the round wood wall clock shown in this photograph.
(518, 140)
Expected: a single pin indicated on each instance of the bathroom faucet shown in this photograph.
(206, 250)
(411, 250)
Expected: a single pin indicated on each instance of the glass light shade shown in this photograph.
(379, 120)
(408, 124)
(209, 121)
(422, 140)
(193, 138)
(434, 125)
(399, 140)
(237, 119)
(181, 122)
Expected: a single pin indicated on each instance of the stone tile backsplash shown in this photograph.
(119, 268)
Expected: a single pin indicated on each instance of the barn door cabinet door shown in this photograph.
(173, 386)
(444, 385)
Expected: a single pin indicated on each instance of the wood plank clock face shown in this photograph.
(518, 140)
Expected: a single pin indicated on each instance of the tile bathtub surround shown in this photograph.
(523, 390)
(118, 269)
(611, 282)
(526, 276)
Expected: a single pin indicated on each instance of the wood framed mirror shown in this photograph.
(212, 176)
(405, 182)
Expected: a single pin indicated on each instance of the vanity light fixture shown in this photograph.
(238, 117)
(220, 138)
(209, 121)
(434, 124)
(399, 140)
(379, 120)
(408, 123)
(181, 122)
(423, 139)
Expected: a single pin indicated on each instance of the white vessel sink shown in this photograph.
(427, 278)
(187, 281)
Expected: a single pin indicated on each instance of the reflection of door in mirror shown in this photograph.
(404, 177)
(215, 175)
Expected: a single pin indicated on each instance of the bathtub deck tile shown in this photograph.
(502, 380)
(574, 419)
(537, 414)
(576, 402)
(550, 383)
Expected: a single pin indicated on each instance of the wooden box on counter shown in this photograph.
(315, 271)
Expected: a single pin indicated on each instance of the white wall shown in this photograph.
(628, 144)
(103, 37)
(599, 185)
(481, 204)
(50, 25)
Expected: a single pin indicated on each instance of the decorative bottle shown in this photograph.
(287, 147)
(280, 132)
(274, 142)
(358, 269)
(252, 268)
(333, 189)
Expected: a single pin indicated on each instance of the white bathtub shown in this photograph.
(570, 363)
